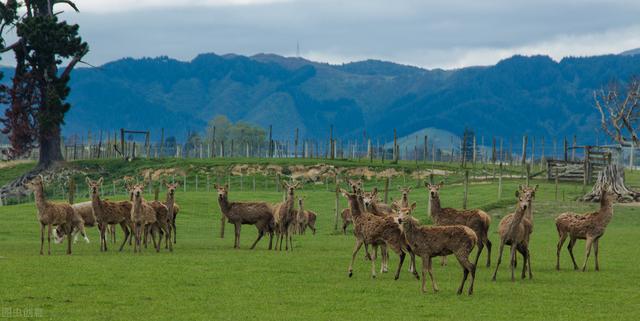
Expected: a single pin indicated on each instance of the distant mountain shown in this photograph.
(631, 52)
(519, 95)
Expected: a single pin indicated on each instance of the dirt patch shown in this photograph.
(9, 164)
(159, 174)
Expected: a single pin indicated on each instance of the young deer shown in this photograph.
(305, 218)
(431, 241)
(589, 227)
(515, 230)
(475, 219)
(239, 213)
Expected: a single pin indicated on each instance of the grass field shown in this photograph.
(204, 278)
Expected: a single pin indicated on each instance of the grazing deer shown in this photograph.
(515, 230)
(476, 219)
(239, 213)
(589, 227)
(54, 214)
(431, 241)
(284, 216)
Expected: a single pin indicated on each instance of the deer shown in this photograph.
(589, 227)
(345, 214)
(404, 201)
(172, 206)
(143, 217)
(284, 216)
(373, 206)
(376, 231)
(86, 212)
(239, 213)
(305, 218)
(54, 214)
(108, 212)
(476, 219)
(431, 241)
(515, 230)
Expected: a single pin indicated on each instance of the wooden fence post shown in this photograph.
(500, 182)
(466, 189)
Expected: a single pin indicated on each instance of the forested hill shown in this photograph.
(533, 95)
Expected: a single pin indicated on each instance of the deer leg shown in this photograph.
(260, 235)
(513, 260)
(443, 260)
(480, 247)
(595, 252)
(413, 264)
(587, 252)
(402, 256)
(105, 242)
(173, 228)
(385, 256)
(572, 242)
(430, 270)
(125, 230)
(69, 230)
(356, 248)
(270, 239)
(499, 260)
(525, 256)
(373, 260)
(236, 243)
(367, 255)
(170, 228)
(49, 237)
(222, 221)
(488, 244)
(42, 238)
(563, 237)
(468, 267)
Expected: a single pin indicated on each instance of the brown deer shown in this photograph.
(374, 206)
(162, 224)
(404, 201)
(515, 230)
(305, 218)
(356, 187)
(284, 216)
(476, 219)
(53, 214)
(589, 227)
(431, 241)
(86, 212)
(376, 231)
(239, 213)
(108, 212)
(143, 217)
(173, 207)
(528, 193)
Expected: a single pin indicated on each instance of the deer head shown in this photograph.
(223, 191)
(434, 189)
(94, 186)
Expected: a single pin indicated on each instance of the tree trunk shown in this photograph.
(50, 151)
(611, 176)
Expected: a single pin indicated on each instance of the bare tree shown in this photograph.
(620, 111)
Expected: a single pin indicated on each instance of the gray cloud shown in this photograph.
(431, 34)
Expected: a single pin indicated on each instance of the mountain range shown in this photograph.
(532, 95)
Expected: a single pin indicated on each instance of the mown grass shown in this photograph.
(205, 279)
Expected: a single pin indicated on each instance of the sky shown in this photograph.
(430, 34)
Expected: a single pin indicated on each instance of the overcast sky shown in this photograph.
(431, 34)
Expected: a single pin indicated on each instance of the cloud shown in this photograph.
(113, 6)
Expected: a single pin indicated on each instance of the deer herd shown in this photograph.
(376, 225)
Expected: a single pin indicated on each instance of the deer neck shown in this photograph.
(137, 204)
(356, 209)
(517, 219)
(529, 211)
(96, 203)
(435, 206)
(224, 204)
(169, 202)
(289, 201)
(405, 201)
(41, 202)
(606, 211)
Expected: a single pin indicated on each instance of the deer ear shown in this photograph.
(440, 184)
(426, 184)
(344, 193)
(88, 180)
(100, 180)
(409, 189)
(413, 206)
(215, 185)
(517, 193)
(226, 186)
(535, 188)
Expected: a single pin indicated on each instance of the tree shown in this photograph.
(40, 86)
(619, 113)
